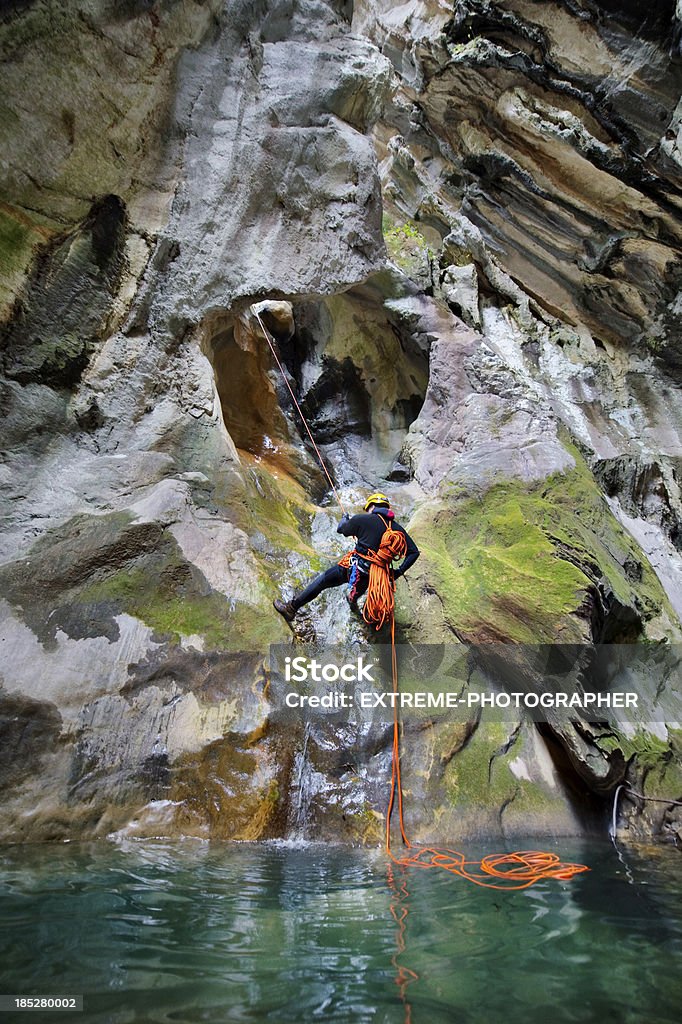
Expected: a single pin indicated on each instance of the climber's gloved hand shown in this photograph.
(344, 519)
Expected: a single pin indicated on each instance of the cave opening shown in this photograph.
(363, 375)
(358, 374)
(591, 808)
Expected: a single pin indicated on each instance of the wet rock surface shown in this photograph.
(460, 225)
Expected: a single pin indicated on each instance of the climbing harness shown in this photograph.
(517, 870)
(358, 568)
(380, 601)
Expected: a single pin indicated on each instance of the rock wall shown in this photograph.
(460, 224)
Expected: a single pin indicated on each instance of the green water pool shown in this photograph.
(192, 932)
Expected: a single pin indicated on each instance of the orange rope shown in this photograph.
(380, 600)
(300, 411)
(517, 870)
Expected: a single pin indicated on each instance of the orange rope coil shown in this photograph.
(517, 870)
(380, 601)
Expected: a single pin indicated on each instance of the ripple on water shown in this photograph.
(212, 932)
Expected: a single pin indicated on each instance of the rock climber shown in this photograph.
(368, 528)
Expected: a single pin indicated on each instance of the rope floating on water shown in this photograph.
(518, 870)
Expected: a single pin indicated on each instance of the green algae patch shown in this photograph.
(79, 577)
(407, 247)
(169, 599)
(272, 508)
(475, 772)
(480, 787)
(495, 571)
(658, 761)
(522, 563)
(95, 567)
(645, 746)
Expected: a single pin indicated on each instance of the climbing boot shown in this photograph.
(285, 609)
(352, 602)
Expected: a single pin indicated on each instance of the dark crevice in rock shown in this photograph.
(346, 395)
(337, 404)
(642, 491)
(155, 776)
(590, 807)
(504, 805)
(344, 8)
(577, 557)
(61, 313)
(611, 621)
(91, 418)
(495, 168)
(481, 17)
(298, 348)
(501, 751)
(653, 20)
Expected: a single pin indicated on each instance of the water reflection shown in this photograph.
(400, 908)
(190, 932)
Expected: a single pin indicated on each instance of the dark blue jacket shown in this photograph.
(369, 528)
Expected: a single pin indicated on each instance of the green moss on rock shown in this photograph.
(517, 562)
(657, 761)
(273, 504)
(174, 601)
(470, 777)
(407, 248)
(79, 577)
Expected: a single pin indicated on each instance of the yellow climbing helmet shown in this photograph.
(377, 499)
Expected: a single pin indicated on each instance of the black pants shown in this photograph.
(334, 576)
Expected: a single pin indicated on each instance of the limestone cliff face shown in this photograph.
(461, 224)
